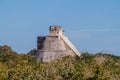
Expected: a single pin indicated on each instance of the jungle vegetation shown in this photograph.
(99, 66)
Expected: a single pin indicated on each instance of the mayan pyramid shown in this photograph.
(54, 46)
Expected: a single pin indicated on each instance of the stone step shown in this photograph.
(68, 42)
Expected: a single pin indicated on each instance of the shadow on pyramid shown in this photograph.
(54, 46)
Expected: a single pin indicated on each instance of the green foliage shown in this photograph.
(14, 66)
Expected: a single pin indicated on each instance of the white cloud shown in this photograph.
(97, 30)
(91, 33)
(95, 40)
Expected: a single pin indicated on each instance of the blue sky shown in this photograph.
(92, 25)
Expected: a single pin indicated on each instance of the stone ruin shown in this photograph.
(54, 46)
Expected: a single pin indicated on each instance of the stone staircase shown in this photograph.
(68, 42)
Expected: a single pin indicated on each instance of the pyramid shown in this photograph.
(54, 46)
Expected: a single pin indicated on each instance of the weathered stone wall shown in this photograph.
(54, 46)
(40, 40)
(48, 56)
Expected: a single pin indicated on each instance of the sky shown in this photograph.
(91, 25)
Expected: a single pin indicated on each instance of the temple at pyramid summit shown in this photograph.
(54, 46)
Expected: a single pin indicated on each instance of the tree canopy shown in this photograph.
(14, 66)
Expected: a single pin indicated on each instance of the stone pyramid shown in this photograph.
(54, 46)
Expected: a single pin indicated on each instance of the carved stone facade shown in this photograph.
(54, 46)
